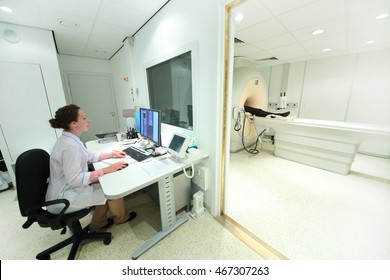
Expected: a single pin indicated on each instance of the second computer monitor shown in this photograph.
(150, 125)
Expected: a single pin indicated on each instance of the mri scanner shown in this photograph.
(329, 145)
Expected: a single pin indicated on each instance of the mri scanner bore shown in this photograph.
(249, 99)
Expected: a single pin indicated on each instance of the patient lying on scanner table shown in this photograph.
(261, 113)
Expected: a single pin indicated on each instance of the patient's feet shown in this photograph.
(285, 114)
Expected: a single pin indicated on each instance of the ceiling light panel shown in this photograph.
(318, 32)
(6, 9)
(381, 16)
(331, 28)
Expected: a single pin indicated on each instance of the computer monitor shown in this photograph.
(150, 125)
(178, 146)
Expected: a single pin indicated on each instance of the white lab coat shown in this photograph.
(69, 175)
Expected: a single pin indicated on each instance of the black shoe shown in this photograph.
(132, 216)
(110, 222)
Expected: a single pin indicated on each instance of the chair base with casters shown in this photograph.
(32, 171)
(79, 234)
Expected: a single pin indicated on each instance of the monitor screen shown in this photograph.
(178, 146)
(150, 125)
(176, 143)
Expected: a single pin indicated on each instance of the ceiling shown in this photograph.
(270, 28)
(89, 28)
(283, 29)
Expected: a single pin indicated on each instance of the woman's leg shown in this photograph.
(118, 210)
(99, 218)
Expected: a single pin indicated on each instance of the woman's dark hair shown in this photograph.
(64, 116)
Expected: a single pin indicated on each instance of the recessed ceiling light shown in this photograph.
(382, 16)
(370, 42)
(239, 17)
(68, 23)
(6, 9)
(317, 32)
(326, 50)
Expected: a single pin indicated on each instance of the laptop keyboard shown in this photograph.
(136, 154)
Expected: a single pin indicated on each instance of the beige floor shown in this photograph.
(200, 239)
(308, 213)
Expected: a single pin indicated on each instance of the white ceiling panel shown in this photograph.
(279, 28)
(314, 13)
(52, 20)
(252, 18)
(85, 8)
(121, 15)
(330, 28)
(277, 41)
(261, 31)
(147, 6)
(92, 28)
(117, 33)
(347, 25)
(279, 7)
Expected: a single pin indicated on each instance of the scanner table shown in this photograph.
(139, 175)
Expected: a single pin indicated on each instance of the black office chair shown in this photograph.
(32, 171)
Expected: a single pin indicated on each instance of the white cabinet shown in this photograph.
(24, 112)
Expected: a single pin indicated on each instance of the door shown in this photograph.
(24, 111)
(94, 94)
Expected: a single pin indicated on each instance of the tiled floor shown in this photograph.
(201, 239)
(309, 213)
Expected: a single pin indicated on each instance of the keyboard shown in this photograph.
(136, 154)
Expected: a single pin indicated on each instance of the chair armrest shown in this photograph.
(36, 213)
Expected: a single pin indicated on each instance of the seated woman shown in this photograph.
(261, 113)
(70, 177)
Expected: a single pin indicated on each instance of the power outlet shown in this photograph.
(201, 177)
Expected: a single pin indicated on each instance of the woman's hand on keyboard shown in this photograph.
(115, 167)
(118, 154)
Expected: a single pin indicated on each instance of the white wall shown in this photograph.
(353, 88)
(121, 68)
(74, 64)
(370, 99)
(35, 46)
(181, 23)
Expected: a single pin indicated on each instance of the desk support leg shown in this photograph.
(168, 215)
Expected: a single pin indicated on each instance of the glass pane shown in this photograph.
(170, 90)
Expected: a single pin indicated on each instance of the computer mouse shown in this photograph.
(124, 166)
(155, 154)
(161, 151)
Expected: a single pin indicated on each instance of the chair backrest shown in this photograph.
(32, 170)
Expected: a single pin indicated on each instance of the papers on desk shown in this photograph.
(110, 161)
(158, 166)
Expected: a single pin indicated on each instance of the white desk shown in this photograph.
(135, 177)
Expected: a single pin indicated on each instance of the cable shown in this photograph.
(253, 151)
(193, 171)
(241, 118)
